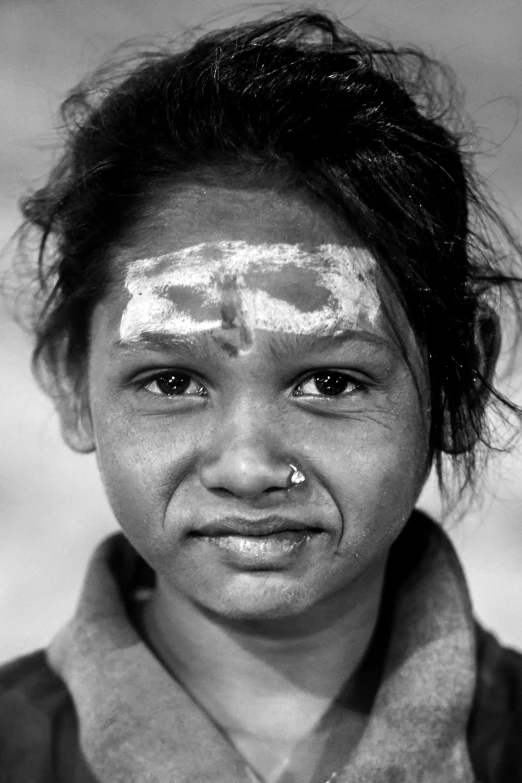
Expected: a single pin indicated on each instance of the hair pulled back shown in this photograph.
(301, 102)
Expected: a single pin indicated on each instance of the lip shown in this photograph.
(242, 526)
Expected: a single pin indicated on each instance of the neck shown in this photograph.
(265, 679)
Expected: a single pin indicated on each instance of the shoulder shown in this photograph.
(495, 725)
(38, 726)
(30, 679)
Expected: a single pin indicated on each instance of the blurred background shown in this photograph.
(52, 508)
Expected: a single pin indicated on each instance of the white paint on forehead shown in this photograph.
(345, 274)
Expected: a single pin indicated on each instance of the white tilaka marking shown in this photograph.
(211, 269)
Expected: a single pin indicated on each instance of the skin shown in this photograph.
(264, 644)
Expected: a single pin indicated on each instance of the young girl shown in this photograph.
(268, 300)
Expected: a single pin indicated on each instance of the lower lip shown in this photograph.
(272, 549)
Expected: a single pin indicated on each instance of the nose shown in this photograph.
(243, 460)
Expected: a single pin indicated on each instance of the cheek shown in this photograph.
(142, 464)
(376, 472)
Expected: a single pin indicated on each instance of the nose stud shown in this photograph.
(295, 477)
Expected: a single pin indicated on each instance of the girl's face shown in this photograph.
(244, 333)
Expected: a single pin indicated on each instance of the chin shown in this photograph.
(261, 599)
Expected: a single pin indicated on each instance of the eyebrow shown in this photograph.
(288, 343)
(281, 345)
(161, 342)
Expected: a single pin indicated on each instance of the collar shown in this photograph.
(138, 725)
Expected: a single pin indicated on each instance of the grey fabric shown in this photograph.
(138, 725)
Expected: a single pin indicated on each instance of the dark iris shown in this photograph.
(331, 383)
(173, 383)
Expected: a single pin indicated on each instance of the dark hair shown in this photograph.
(298, 101)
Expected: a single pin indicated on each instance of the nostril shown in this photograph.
(221, 491)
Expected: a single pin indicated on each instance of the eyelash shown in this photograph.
(201, 391)
(329, 377)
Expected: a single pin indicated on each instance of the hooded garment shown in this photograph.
(99, 707)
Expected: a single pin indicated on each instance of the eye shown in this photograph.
(174, 384)
(327, 384)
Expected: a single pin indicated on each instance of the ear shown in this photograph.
(69, 391)
(75, 420)
(487, 345)
(488, 340)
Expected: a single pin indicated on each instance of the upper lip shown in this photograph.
(240, 526)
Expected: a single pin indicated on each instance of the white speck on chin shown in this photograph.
(346, 273)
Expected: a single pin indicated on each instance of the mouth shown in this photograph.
(256, 528)
(260, 543)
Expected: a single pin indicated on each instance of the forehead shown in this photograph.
(276, 287)
(187, 216)
(219, 259)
